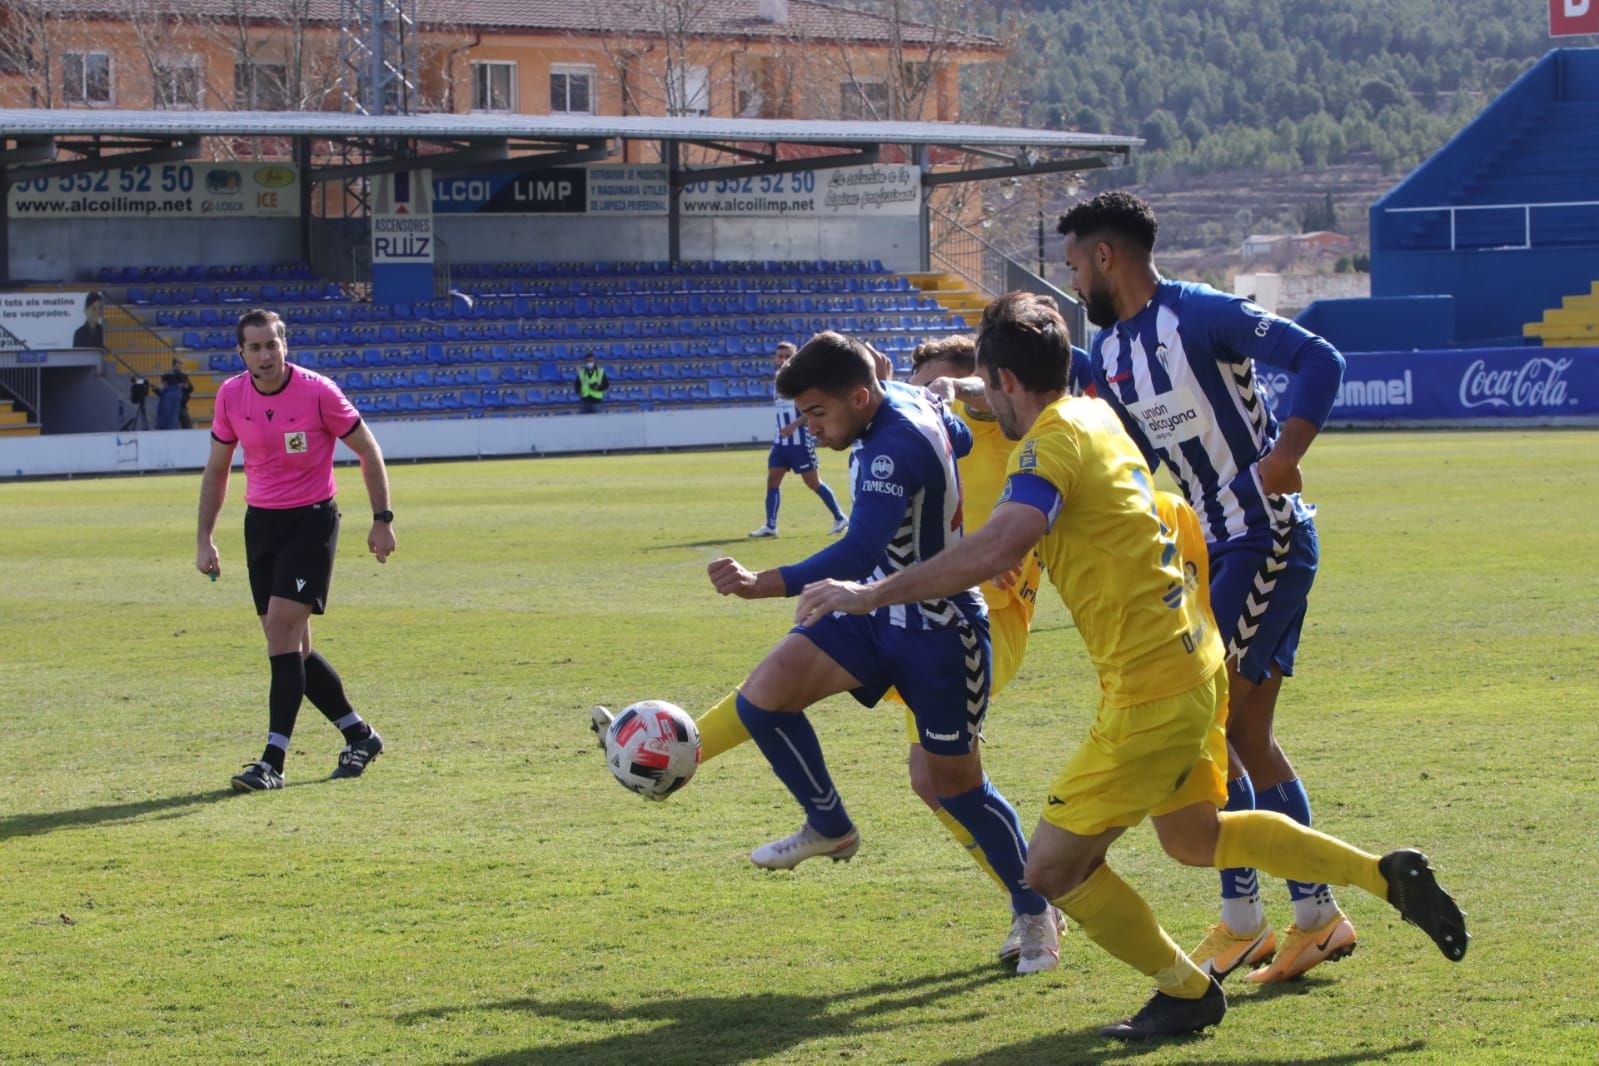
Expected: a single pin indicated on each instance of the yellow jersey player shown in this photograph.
(1079, 489)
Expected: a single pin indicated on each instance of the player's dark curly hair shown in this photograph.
(258, 316)
(1024, 333)
(1116, 212)
(959, 350)
(831, 362)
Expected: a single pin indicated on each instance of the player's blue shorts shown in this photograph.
(789, 455)
(1233, 569)
(927, 666)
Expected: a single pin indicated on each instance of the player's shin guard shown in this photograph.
(720, 728)
(1116, 918)
(790, 745)
(828, 498)
(993, 823)
(1283, 848)
(283, 703)
(967, 841)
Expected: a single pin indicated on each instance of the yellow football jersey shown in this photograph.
(1178, 517)
(1114, 563)
(982, 472)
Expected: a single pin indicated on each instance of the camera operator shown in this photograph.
(172, 407)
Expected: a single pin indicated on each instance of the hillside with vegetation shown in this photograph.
(1259, 115)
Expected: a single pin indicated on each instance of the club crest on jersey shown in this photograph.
(882, 468)
(295, 443)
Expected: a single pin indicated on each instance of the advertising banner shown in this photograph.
(40, 321)
(1458, 385)
(163, 190)
(640, 189)
(1573, 18)
(535, 191)
(402, 218)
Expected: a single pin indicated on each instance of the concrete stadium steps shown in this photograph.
(953, 293)
(14, 422)
(1574, 323)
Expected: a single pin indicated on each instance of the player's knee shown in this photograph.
(922, 780)
(1189, 840)
(1050, 878)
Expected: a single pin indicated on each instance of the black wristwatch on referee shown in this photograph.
(383, 516)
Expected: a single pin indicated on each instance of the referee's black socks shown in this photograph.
(283, 703)
(325, 690)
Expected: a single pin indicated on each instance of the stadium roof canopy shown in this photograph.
(32, 142)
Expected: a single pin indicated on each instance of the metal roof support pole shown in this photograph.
(5, 227)
(302, 161)
(674, 217)
(925, 252)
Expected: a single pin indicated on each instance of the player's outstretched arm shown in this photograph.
(1009, 534)
(380, 541)
(213, 491)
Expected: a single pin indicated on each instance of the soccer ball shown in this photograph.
(653, 748)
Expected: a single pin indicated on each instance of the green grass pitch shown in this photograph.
(487, 894)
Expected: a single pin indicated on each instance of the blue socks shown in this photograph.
(790, 745)
(774, 497)
(1289, 799)
(1241, 908)
(828, 498)
(993, 823)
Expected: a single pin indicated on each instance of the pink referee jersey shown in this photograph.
(288, 436)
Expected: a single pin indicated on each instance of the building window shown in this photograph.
(493, 86)
(691, 87)
(864, 99)
(571, 90)
(86, 77)
(177, 82)
(261, 86)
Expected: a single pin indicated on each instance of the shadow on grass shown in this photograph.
(697, 544)
(721, 1030)
(27, 825)
(1086, 1046)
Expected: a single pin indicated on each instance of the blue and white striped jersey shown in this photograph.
(907, 506)
(1181, 373)
(786, 413)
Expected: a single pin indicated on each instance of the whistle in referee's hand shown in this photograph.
(213, 573)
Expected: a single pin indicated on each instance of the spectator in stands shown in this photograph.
(92, 333)
(172, 404)
(591, 385)
(290, 420)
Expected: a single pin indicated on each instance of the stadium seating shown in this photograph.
(668, 336)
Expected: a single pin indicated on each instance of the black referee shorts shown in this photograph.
(290, 553)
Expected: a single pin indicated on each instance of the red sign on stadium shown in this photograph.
(1573, 18)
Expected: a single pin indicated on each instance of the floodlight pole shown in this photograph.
(924, 211)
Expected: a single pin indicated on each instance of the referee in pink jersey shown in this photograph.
(288, 420)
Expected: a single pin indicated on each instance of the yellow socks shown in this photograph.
(720, 728)
(966, 841)
(1116, 918)
(1278, 845)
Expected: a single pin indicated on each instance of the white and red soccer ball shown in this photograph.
(653, 748)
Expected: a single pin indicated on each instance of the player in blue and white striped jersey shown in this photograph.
(1177, 362)
(935, 653)
(793, 448)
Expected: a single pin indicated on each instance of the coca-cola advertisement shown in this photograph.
(1468, 385)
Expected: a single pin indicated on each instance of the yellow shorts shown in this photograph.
(1007, 633)
(1149, 759)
